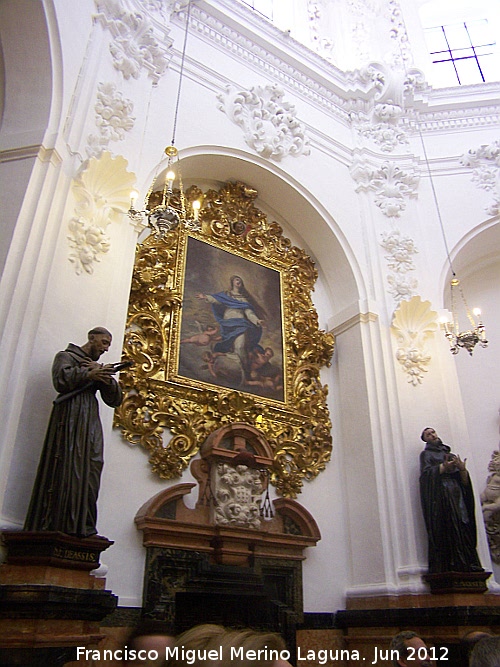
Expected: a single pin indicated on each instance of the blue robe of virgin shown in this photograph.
(233, 327)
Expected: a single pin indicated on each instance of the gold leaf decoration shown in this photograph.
(161, 398)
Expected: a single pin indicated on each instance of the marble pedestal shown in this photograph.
(369, 623)
(50, 603)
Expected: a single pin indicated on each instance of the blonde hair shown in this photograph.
(229, 648)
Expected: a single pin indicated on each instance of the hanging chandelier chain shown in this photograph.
(465, 339)
(426, 157)
(181, 73)
(434, 195)
(166, 215)
(467, 309)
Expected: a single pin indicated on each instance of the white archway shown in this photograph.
(292, 206)
(476, 262)
(30, 101)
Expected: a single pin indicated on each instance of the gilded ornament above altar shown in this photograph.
(192, 373)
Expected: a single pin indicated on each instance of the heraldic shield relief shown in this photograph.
(221, 328)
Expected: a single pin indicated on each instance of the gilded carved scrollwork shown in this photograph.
(158, 396)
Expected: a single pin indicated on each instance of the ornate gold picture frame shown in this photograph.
(209, 350)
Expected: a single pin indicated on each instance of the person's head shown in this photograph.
(430, 435)
(486, 652)
(411, 650)
(467, 643)
(200, 636)
(98, 341)
(236, 282)
(269, 352)
(232, 647)
(150, 637)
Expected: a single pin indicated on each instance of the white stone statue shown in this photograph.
(490, 503)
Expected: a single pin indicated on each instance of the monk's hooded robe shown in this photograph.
(448, 508)
(65, 493)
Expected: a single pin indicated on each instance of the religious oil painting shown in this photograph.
(231, 322)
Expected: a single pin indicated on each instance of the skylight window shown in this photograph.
(264, 7)
(462, 53)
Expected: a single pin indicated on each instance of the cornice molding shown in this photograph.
(453, 119)
(354, 321)
(322, 89)
(247, 37)
(30, 152)
(321, 83)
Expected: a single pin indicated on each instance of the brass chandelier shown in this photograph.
(471, 337)
(173, 208)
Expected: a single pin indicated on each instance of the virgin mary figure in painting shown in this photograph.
(240, 320)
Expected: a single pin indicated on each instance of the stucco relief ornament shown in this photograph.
(362, 13)
(413, 323)
(401, 52)
(384, 129)
(391, 184)
(401, 250)
(102, 195)
(269, 124)
(321, 42)
(154, 5)
(113, 118)
(390, 88)
(379, 20)
(485, 163)
(238, 491)
(401, 287)
(135, 45)
(400, 260)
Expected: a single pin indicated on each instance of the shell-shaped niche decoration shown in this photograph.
(102, 195)
(412, 325)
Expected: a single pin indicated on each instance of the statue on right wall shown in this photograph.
(490, 503)
(448, 507)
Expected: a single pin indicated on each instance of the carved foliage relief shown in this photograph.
(158, 398)
(400, 251)
(391, 185)
(485, 163)
(318, 27)
(386, 123)
(269, 123)
(135, 46)
(113, 117)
